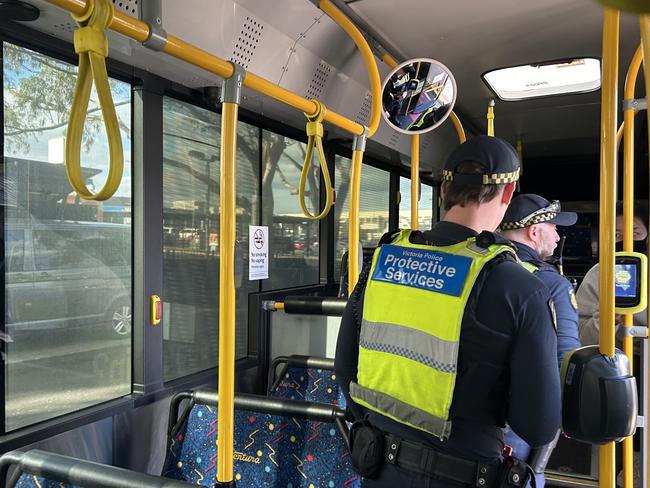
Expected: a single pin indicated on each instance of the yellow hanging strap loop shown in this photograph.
(315, 138)
(91, 44)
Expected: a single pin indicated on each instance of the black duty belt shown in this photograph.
(420, 459)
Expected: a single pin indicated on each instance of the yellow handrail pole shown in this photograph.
(227, 219)
(645, 46)
(358, 148)
(140, 31)
(371, 64)
(458, 126)
(609, 93)
(628, 217)
(415, 180)
(490, 118)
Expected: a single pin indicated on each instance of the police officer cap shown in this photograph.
(528, 209)
(497, 156)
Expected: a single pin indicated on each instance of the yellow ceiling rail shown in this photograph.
(628, 226)
(315, 138)
(140, 31)
(607, 469)
(371, 65)
(91, 44)
(458, 126)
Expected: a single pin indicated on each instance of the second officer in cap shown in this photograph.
(530, 223)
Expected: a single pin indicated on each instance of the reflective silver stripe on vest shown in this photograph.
(402, 411)
(409, 343)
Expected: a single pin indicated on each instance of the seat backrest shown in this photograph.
(312, 384)
(269, 451)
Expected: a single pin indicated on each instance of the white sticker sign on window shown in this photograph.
(258, 252)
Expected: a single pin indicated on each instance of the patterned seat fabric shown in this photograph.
(270, 451)
(311, 384)
(31, 481)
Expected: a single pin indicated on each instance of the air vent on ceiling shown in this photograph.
(247, 42)
(65, 26)
(394, 139)
(127, 6)
(364, 112)
(319, 80)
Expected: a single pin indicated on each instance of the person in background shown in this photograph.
(588, 296)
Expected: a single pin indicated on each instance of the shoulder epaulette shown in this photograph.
(486, 239)
(389, 237)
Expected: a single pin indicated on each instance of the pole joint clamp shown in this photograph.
(231, 90)
(151, 12)
(635, 104)
(359, 141)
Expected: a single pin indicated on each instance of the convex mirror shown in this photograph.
(418, 95)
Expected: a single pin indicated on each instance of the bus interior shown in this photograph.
(110, 340)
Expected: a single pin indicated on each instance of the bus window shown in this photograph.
(68, 273)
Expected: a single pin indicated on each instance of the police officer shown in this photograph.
(446, 337)
(530, 224)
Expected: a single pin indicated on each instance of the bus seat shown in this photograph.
(277, 443)
(305, 378)
(33, 481)
(39, 469)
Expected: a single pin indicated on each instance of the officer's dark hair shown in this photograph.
(454, 194)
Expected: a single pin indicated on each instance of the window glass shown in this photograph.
(425, 205)
(293, 242)
(374, 207)
(191, 150)
(68, 261)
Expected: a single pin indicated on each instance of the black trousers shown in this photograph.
(392, 476)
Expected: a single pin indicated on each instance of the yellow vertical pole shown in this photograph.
(628, 217)
(609, 93)
(645, 45)
(358, 148)
(490, 119)
(226, 408)
(415, 179)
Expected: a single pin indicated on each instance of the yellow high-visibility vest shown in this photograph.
(412, 313)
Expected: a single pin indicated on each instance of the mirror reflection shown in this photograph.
(418, 96)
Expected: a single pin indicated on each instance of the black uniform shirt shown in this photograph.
(507, 366)
(564, 299)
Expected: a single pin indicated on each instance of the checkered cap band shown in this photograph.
(493, 179)
(537, 219)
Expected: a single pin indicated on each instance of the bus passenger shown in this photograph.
(588, 296)
(530, 224)
(446, 337)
